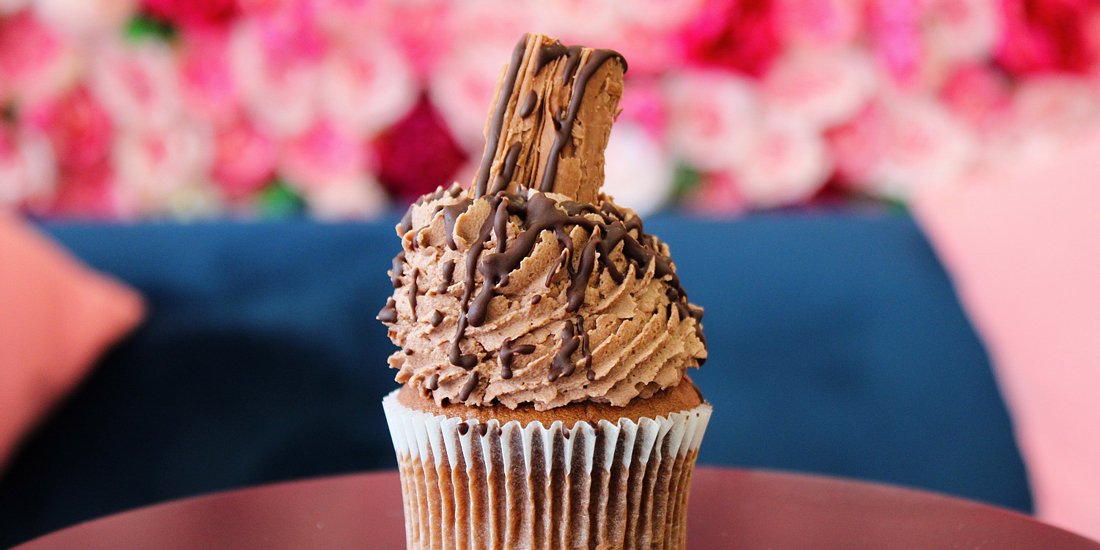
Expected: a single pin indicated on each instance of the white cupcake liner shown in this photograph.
(617, 484)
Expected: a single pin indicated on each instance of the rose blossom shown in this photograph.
(961, 30)
(417, 154)
(79, 129)
(275, 57)
(818, 23)
(1044, 115)
(821, 88)
(739, 35)
(244, 158)
(206, 77)
(1043, 36)
(152, 165)
(321, 155)
(34, 60)
(917, 144)
(717, 194)
(366, 86)
(786, 163)
(896, 38)
(26, 165)
(638, 173)
(138, 85)
(85, 20)
(977, 95)
(710, 117)
(86, 193)
(192, 13)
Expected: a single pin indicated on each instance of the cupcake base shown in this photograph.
(595, 477)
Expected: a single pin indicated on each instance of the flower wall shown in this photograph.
(127, 109)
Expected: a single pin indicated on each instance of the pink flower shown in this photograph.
(417, 154)
(717, 195)
(192, 13)
(1044, 36)
(366, 86)
(275, 57)
(786, 164)
(739, 35)
(711, 116)
(578, 21)
(321, 155)
(85, 20)
(978, 95)
(904, 143)
(896, 38)
(152, 165)
(418, 29)
(818, 23)
(856, 146)
(821, 88)
(26, 165)
(206, 77)
(34, 60)
(961, 30)
(638, 172)
(1046, 114)
(137, 85)
(79, 129)
(348, 199)
(645, 106)
(86, 193)
(244, 159)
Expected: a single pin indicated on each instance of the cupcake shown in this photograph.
(544, 336)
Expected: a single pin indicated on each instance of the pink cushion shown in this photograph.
(1023, 248)
(56, 318)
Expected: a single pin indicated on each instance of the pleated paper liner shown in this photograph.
(510, 486)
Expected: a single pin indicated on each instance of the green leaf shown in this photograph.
(143, 27)
(280, 200)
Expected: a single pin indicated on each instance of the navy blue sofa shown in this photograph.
(837, 345)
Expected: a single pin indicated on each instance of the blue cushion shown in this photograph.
(836, 345)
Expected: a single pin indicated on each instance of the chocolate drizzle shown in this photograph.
(496, 124)
(563, 361)
(468, 387)
(451, 212)
(508, 351)
(405, 224)
(580, 84)
(529, 104)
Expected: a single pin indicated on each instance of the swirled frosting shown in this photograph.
(531, 298)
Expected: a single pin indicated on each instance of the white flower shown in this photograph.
(711, 116)
(27, 167)
(85, 19)
(137, 85)
(786, 163)
(637, 173)
(922, 145)
(962, 30)
(281, 93)
(820, 88)
(366, 86)
(151, 166)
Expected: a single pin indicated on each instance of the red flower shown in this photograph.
(734, 34)
(417, 154)
(1048, 36)
(79, 129)
(192, 13)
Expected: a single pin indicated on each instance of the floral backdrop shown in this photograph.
(128, 109)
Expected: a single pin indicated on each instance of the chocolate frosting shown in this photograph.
(554, 302)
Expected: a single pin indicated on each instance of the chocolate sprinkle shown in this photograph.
(432, 383)
(397, 269)
(436, 318)
(448, 276)
(388, 313)
(413, 291)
